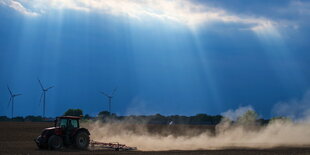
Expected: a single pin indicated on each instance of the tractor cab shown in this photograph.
(67, 122)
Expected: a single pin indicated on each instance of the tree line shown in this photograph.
(105, 116)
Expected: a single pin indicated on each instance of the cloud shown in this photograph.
(302, 8)
(298, 109)
(180, 11)
(18, 7)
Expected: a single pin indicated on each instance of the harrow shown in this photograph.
(95, 145)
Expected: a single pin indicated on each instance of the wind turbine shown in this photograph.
(11, 101)
(109, 98)
(43, 96)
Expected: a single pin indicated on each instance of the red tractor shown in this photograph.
(66, 132)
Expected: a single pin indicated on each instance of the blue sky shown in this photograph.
(168, 57)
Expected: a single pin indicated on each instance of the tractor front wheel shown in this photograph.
(82, 140)
(55, 142)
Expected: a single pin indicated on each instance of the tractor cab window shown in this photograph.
(74, 123)
(62, 123)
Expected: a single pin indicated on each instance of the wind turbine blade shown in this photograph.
(104, 94)
(49, 87)
(10, 90)
(114, 91)
(41, 84)
(10, 101)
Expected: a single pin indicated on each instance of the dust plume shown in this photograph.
(277, 133)
(239, 128)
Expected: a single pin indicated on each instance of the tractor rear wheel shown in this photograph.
(82, 140)
(55, 142)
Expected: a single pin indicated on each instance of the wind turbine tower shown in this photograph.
(43, 96)
(109, 98)
(11, 101)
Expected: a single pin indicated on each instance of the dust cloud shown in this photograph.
(239, 128)
(226, 135)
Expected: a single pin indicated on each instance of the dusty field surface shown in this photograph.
(17, 138)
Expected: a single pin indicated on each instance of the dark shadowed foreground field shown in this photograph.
(17, 138)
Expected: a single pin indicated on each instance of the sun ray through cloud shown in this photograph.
(180, 11)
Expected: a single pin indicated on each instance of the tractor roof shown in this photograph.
(70, 117)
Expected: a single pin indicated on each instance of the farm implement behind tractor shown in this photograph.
(95, 145)
(67, 133)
